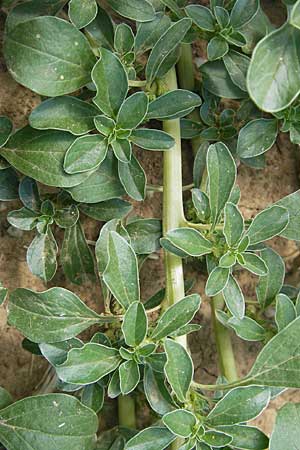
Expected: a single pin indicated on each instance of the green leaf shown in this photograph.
(107, 74)
(270, 285)
(102, 185)
(133, 111)
(152, 139)
(129, 376)
(217, 280)
(156, 392)
(148, 33)
(85, 154)
(6, 128)
(88, 364)
(186, 329)
(242, 12)
(23, 218)
(122, 271)
(173, 105)
(256, 137)
(9, 183)
(217, 48)
(41, 256)
(279, 362)
(92, 396)
(180, 422)
(178, 369)
(187, 241)
(217, 439)
(51, 316)
(57, 352)
(82, 12)
(267, 224)
(101, 30)
(286, 431)
(69, 424)
(165, 46)
(124, 39)
(246, 328)
(29, 194)
(239, 405)
(144, 235)
(217, 80)
(202, 17)
(245, 437)
(65, 114)
(154, 438)
(176, 316)
(222, 176)
(135, 324)
(114, 390)
(122, 150)
(295, 15)
(133, 178)
(201, 204)
(291, 203)
(233, 224)
(254, 264)
(5, 398)
(271, 94)
(76, 257)
(139, 10)
(46, 69)
(40, 155)
(108, 210)
(234, 298)
(285, 311)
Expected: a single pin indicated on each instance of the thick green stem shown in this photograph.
(126, 407)
(173, 214)
(224, 345)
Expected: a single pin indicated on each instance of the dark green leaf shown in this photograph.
(93, 397)
(88, 364)
(242, 12)
(135, 324)
(64, 113)
(124, 38)
(233, 224)
(256, 137)
(217, 439)
(154, 438)
(50, 316)
(29, 194)
(101, 30)
(246, 438)
(144, 235)
(217, 80)
(82, 12)
(6, 127)
(152, 139)
(156, 392)
(173, 105)
(246, 328)
(57, 352)
(41, 256)
(133, 111)
(201, 204)
(139, 10)
(85, 154)
(178, 369)
(23, 218)
(267, 224)
(9, 183)
(69, 424)
(291, 203)
(202, 17)
(122, 150)
(217, 280)
(269, 286)
(234, 298)
(217, 48)
(129, 376)
(46, 69)
(133, 178)
(108, 210)
(148, 33)
(285, 311)
(180, 422)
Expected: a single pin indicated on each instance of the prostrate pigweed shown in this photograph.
(106, 73)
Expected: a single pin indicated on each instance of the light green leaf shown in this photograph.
(40, 155)
(176, 316)
(222, 175)
(133, 111)
(217, 48)
(6, 128)
(106, 211)
(102, 185)
(107, 74)
(139, 10)
(242, 12)
(187, 241)
(256, 137)
(286, 432)
(217, 280)
(254, 264)
(270, 285)
(178, 369)
(135, 324)
(23, 218)
(271, 94)
(129, 376)
(180, 422)
(246, 438)
(88, 364)
(216, 438)
(124, 39)
(292, 204)
(133, 178)
(234, 298)
(144, 235)
(202, 17)
(57, 352)
(93, 397)
(82, 12)
(233, 224)
(241, 404)
(49, 316)
(152, 139)
(166, 46)
(85, 154)
(156, 392)
(201, 204)
(41, 256)
(46, 69)
(285, 311)
(121, 273)
(5, 398)
(267, 224)
(104, 125)
(122, 150)
(246, 328)
(69, 424)
(114, 390)
(64, 113)
(173, 105)
(154, 438)
(76, 257)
